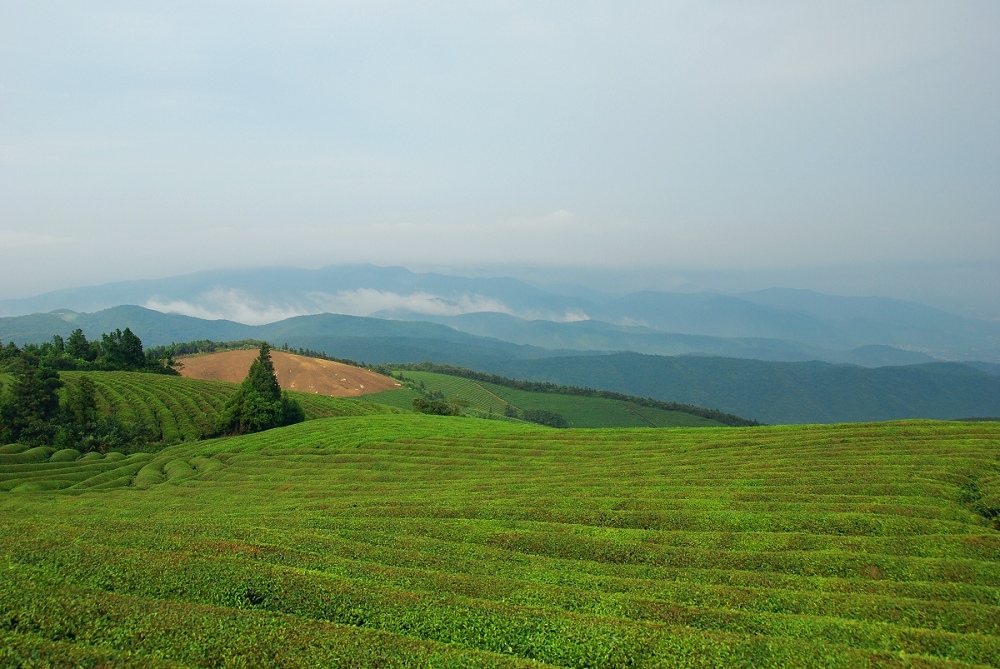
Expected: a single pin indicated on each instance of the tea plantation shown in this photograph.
(414, 541)
(182, 409)
(489, 400)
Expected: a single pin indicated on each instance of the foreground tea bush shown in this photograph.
(416, 541)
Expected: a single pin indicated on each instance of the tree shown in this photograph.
(261, 377)
(81, 404)
(9, 352)
(122, 350)
(80, 417)
(544, 417)
(437, 407)
(78, 346)
(259, 404)
(29, 409)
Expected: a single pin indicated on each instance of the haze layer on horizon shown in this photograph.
(842, 146)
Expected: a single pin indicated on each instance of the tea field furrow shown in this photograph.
(29, 649)
(865, 545)
(207, 635)
(187, 409)
(631, 599)
(809, 563)
(281, 590)
(587, 596)
(461, 559)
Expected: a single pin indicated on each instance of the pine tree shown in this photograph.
(259, 404)
(78, 346)
(261, 377)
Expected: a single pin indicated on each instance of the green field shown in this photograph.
(486, 400)
(182, 409)
(407, 540)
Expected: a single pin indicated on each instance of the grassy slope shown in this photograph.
(487, 398)
(425, 541)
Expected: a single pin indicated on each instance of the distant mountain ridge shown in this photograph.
(593, 335)
(771, 392)
(776, 324)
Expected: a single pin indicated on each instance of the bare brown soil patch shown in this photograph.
(294, 372)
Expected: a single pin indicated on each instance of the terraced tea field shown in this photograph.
(406, 541)
(183, 409)
(489, 399)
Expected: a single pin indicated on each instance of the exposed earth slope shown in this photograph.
(294, 372)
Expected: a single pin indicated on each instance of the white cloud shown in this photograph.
(237, 305)
(366, 301)
(573, 316)
(229, 304)
(14, 239)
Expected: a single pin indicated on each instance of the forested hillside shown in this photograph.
(770, 392)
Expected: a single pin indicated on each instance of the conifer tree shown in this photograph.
(122, 350)
(261, 377)
(78, 346)
(259, 404)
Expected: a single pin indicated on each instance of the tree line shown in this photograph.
(38, 408)
(32, 411)
(208, 346)
(120, 350)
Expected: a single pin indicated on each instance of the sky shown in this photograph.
(847, 146)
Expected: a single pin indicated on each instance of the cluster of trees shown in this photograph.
(436, 407)
(118, 350)
(32, 413)
(540, 416)
(209, 346)
(259, 404)
(38, 408)
(204, 346)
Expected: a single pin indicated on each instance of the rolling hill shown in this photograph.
(405, 541)
(483, 399)
(185, 409)
(770, 392)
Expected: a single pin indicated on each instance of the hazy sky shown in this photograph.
(757, 139)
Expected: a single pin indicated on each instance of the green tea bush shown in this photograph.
(407, 540)
(177, 469)
(150, 474)
(66, 455)
(36, 454)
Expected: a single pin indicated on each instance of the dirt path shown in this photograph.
(294, 372)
